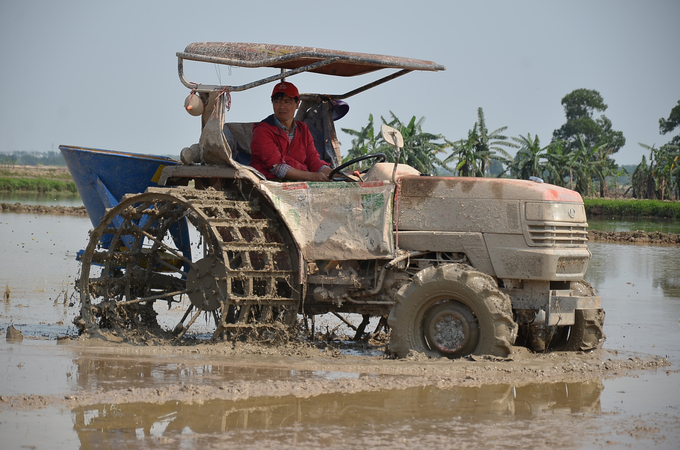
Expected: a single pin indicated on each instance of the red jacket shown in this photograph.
(270, 146)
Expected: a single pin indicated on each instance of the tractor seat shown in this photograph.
(239, 136)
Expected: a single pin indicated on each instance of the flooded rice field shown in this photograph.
(63, 393)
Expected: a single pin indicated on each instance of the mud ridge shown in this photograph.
(634, 237)
(363, 373)
(43, 209)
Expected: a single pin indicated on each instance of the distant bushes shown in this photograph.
(632, 208)
(50, 158)
(40, 185)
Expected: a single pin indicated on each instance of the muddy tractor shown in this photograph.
(206, 247)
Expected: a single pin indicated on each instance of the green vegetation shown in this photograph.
(475, 154)
(40, 185)
(527, 162)
(670, 124)
(33, 158)
(580, 107)
(420, 149)
(579, 157)
(40, 179)
(661, 177)
(47, 173)
(632, 208)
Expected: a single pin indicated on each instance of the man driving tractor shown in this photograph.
(282, 147)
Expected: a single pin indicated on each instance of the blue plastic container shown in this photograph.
(103, 177)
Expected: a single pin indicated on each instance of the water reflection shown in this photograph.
(409, 412)
(640, 293)
(649, 267)
(103, 373)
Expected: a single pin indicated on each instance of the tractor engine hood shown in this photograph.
(482, 205)
(485, 188)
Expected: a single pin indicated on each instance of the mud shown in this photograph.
(634, 237)
(43, 209)
(14, 335)
(367, 370)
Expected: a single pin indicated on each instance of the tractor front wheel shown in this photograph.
(452, 311)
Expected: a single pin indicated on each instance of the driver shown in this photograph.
(282, 147)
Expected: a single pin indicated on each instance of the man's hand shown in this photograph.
(318, 176)
(303, 175)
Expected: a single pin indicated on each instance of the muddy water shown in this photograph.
(124, 397)
(38, 268)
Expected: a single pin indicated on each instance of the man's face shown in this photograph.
(284, 108)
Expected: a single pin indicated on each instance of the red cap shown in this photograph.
(287, 88)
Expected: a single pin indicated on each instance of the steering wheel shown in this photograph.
(379, 157)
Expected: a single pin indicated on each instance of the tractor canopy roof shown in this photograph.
(292, 60)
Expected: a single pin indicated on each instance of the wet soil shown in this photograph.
(634, 237)
(375, 371)
(331, 396)
(43, 209)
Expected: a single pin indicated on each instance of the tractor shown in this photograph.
(205, 245)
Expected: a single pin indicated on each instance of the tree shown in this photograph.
(365, 141)
(620, 171)
(675, 173)
(591, 163)
(673, 121)
(580, 107)
(667, 160)
(561, 163)
(527, 163)
(475, 153)
(660, 178)
(420, 149)
(464, 152)
(606, 167)
(489, 144)
(50, 158)
(642, 180)
(8, 159)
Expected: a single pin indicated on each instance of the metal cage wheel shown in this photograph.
(151, 266)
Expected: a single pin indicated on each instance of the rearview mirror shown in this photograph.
(392, 136)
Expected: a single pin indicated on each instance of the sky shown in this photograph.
(104, 74)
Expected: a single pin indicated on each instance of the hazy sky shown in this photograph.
(104, 74)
